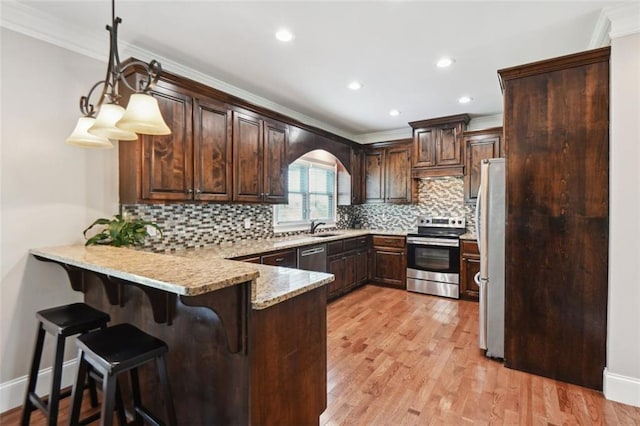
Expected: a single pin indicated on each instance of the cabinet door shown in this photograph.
(247, 158)
(390, 267)
(477, 149)
(167, 161)
(350, 270)
(449, 145)
(276, 171)
(424, 147)
(212, 149)
(398, 175)
(374, 176)
(357, 160)
(469, 267)
(335, 266)
(285, 259)
(362, 266)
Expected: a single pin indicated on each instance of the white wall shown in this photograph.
(622, 375)
(50, 191)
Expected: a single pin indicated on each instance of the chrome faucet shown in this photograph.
(315, 225)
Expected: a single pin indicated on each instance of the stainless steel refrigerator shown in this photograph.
(490, 229)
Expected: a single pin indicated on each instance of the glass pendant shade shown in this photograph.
(143, 116)
(105, 124)
(81, 137)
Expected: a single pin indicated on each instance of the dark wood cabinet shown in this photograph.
(348, 261)
(479, 145)
(437, 146)
(192, 163)
(357, 175)
(284, 258)
(389, 261)
(556, 134)
(260, 160)
(469, 267)
(387, 170)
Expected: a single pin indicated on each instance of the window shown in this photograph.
(312, 190)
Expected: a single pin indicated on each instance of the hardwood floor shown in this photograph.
(399, 358)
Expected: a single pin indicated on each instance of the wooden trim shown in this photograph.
(426, 172)
(390, 144)
(482, 132)
(555, 64)
(441, 120)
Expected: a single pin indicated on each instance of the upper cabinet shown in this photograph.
(387, 173)
(260, 159)
(437, 146)
(479, 145)
(192, 163)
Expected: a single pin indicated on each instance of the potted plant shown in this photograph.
(120, 232)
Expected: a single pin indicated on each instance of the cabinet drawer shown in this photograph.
(388, 241)
(469, 247)
(282, 258)
(250, 259)
(335, 247)
(355, 243)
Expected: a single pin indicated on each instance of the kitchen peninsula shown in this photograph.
(247, 343)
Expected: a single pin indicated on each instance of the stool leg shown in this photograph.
(135, 393)
(78, 390)
(93, 394)
(168, 399)
(122, 418)
(54, 396)
(109, 385)
(28, 406)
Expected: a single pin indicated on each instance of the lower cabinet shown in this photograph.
(348, 261)
(469, 267)
(284, 258)
(389, 261)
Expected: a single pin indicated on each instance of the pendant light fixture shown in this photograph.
(108, 120)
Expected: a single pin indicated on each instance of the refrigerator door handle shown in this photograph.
(482, 321)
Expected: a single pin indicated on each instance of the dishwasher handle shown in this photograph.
(311, 251)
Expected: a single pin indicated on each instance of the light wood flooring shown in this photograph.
(399, 358)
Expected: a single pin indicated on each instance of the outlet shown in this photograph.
(247, 224)
(153, 232)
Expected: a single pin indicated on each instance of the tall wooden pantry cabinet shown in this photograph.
(556, 130)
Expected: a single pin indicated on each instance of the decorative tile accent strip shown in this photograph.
(201, 225)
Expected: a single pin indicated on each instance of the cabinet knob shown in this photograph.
(189, 191)
(198, 191)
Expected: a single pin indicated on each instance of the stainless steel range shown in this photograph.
(433, 256)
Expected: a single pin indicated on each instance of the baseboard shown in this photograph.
(12, 392)
(622, 389)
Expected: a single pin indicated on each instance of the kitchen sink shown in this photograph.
(325, 235)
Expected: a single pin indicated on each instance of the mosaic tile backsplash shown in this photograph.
(199, 225)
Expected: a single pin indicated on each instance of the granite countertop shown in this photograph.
(250, 247)
(469, 236)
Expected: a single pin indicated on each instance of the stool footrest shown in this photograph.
(148, 416)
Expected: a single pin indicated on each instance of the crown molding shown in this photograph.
(625, 19)
(29, 21)
(387, 135)
(600, 36)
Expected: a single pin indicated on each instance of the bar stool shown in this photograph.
(115, 350)
(62, 322)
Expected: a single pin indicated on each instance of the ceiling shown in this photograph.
(390, 46)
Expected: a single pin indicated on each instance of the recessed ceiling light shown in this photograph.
(444, 62)
(394, 113)
(284, 35)
(355, 85)
(465, 99)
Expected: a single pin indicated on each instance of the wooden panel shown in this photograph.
(357, 176)
(356, 243)
(362, 266)
(350, 270)
(335, 247)
(335, 266)
(248, 158)
(167, 172)
(398, 175)
(556, 134)
(388, 241)
(479, 146)
(289, 373)
(248, 259)
(212, 149)
(285, 258)
(374, 176)
(424, 154)
(276, 171)
(449, 145)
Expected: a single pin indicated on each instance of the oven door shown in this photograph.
(436, 255)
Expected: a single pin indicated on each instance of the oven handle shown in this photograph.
(422, 241)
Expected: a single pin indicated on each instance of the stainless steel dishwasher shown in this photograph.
(313, 258)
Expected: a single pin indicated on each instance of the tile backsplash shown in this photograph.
(199, 225)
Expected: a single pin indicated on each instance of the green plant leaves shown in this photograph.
(119, 232)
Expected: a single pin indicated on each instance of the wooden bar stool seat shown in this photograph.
(62, 322)
(115, 350)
